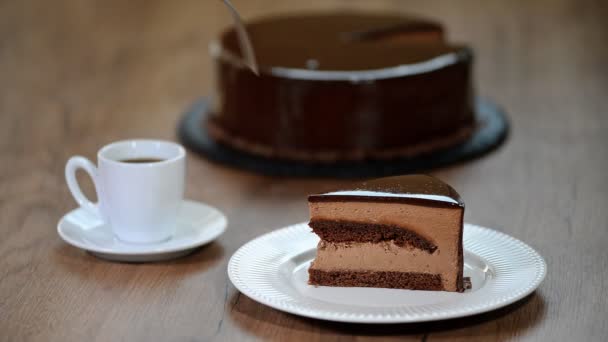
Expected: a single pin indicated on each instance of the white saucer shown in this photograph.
(273, 270)
(197, 224)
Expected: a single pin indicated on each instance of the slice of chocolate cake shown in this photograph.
(397, 232)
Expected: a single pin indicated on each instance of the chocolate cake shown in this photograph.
(338, 87)
(397, 232)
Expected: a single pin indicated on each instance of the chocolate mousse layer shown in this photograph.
(379, 256)
(408, 225)
(343, 86)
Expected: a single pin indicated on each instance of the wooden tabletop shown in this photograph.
(75, 75)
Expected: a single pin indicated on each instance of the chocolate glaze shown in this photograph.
(423, 189)
(343, 87)
(345, 42)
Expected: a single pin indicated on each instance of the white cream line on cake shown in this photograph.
(388, 194)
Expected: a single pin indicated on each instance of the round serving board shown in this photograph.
(491, 132)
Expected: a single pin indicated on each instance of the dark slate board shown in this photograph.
(492, 131)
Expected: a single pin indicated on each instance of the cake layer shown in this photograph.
(384, 257)
(395, 280)
(348, 231)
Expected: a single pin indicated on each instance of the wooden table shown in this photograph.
(75, 75)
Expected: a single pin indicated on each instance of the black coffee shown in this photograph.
(141, 160)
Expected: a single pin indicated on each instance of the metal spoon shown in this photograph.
(243, 36)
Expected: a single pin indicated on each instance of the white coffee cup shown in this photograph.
(138, 200)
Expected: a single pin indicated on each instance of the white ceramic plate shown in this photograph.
(197, 225)
(273, 270)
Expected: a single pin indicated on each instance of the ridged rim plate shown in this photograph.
(272, 270)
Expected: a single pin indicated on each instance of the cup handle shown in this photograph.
(71, 167)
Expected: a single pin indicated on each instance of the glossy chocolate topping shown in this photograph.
(350, 42)
(423, 188)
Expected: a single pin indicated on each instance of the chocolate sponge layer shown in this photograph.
(393, 280)
(345, 231)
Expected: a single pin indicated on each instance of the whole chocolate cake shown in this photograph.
(349, 86)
